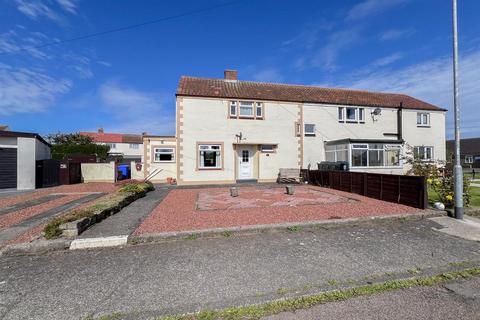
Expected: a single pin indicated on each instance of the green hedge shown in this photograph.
(59, 151)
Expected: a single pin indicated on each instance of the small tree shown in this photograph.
(64, 144)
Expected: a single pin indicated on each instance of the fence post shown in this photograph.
(381, 187)
(424, 193)
(365, 184)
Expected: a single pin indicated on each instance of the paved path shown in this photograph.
(129, 218)
(184, 276)
(453, 301)
(30, 203)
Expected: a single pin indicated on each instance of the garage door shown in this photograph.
(8, 168)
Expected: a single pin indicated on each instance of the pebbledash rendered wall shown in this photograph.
(206, 120)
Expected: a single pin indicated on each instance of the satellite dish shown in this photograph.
(377, 111)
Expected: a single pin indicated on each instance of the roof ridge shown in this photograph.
(299, 85)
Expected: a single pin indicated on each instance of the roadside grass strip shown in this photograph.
(258, 311)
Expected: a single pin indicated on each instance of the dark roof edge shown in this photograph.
(348, 140)
(16, 134)
(157, 136)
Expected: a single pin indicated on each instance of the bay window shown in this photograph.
(209, 156)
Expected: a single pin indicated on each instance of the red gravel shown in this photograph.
(81, 187)
(178, 211)
(20, 215)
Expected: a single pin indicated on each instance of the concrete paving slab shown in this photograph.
(468, 228)
(103, 242)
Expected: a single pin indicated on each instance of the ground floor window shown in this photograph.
(468, 159)
(336, 153)
(209, 156)
(375, 155)
(164, 154)
(423, 153)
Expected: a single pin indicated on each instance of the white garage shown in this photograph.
(19, 152)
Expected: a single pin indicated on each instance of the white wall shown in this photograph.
(26, 163)
(98, 172)
(165, 169)
(206, 120)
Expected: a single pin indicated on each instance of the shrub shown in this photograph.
(137, 187)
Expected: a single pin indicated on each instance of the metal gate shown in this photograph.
(8, 168)
(47, 173)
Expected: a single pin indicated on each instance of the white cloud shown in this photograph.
(11, 42)
(68, 5)
(35, 9)
(371, 8)
(268, 75)
(432, 81)
(394, 34)
(144, 109)
(387, 60)
(326, 57)
(116, 97)
(23, 90)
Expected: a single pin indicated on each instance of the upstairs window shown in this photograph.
(111, 145)
(309, 129)
(259, 110)
(163, 154)
(233, 109)
(423, 119)
(210, 156)
(268, 148)
(246, 109)
(134, 146)
(423, 153)
(351, 115)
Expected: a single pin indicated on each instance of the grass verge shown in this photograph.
(270, 308)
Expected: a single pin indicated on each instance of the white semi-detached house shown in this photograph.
(229, 130)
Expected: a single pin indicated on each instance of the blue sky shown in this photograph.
(126, 81)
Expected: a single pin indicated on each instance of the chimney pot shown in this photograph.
(100, 130)
(230, 74)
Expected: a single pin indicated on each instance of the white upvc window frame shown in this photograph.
(233, 106)
(267, 148)
(359, 114)
(309, 133)
(468, 159)
(416, 153)
(112, 145)
(258, 107)
(202, 148)
(134, 146)
(423, 119)
(367, 147)
(163, 150)
(246, 104)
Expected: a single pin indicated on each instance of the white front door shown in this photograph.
(245, 163)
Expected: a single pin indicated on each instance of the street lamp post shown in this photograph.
(458, 167)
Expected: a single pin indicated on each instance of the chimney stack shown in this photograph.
(100, 130)
(230, 74)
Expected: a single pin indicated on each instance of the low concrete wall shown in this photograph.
(98, 172)
(136, 174)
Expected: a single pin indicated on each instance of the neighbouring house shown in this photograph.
(127, 147)
(229, 130)
(469, 152)
(19, 153)
(3, 127)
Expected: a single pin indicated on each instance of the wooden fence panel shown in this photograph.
(407, 190)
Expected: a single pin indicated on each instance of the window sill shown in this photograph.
(164, 161)
(210, 169)
(309, 134)
(422, 126)
(380, 167)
